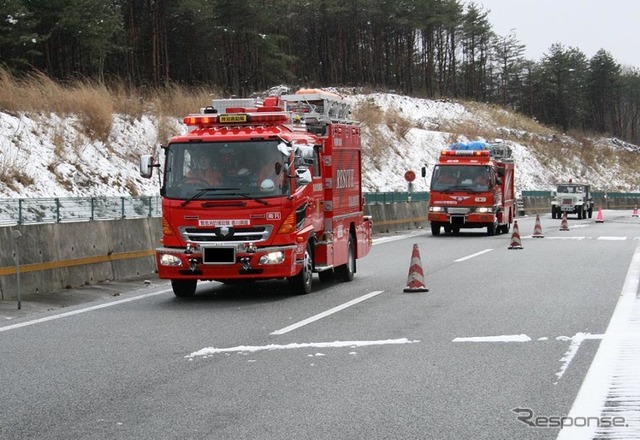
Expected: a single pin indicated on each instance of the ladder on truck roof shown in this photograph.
(500, 152)
(317, 106)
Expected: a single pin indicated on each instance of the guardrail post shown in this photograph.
(122, 208)
(93, 207)
(16, 237)
(19, 211)
(57, 210)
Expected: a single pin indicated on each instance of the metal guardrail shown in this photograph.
(395, 197)
(25, 211)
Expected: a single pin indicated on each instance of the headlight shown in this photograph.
(170, 260)
(272, 258)
(436, 209)
(484, 210)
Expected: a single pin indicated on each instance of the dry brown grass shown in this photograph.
(371, 117)
(95, 103)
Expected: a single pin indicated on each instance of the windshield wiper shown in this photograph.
(201, 192)
(457, 188)
(246, 196)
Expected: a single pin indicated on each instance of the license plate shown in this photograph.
(219, 255)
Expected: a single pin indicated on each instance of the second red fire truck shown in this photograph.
(472, 186)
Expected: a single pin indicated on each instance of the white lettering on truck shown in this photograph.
(346, 178)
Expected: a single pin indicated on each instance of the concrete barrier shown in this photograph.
(66, 255)
(541, 204)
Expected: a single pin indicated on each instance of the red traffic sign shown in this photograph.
(409, 176)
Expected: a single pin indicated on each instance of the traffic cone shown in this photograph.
(600, 217)
(635, 212)
(415, 281)
(564, 225)
(515, 237)
(537, 229)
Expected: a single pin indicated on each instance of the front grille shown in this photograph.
(458, 211)
(240, 234)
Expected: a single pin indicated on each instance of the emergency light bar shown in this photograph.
(479, 153)
(235, 118)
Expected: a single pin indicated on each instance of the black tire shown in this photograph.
(184, 288)
(435, 229)
(491, 229)
(591, 212)
(301, 284)
(346, 271)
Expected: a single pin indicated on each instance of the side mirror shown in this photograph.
(424, 171)
(303, 176)
(147, 163)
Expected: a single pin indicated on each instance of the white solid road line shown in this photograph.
(314, 318)
(613, 374)
(86, 309)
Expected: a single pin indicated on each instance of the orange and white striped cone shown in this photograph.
(537, 229)
(415, 281)
(515, 237)
(635, 212)
(600, 217)
(564, 226)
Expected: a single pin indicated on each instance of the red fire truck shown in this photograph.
(260, 190)
(472, 186)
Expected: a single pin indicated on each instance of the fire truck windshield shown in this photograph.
(471, 178)
(223, 170)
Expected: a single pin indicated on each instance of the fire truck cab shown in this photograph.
(263, 190)
(472, 186)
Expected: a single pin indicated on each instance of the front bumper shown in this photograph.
(469, 220)
(229, 262)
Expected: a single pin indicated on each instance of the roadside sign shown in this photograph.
(409, 176)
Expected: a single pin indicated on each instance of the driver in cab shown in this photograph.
(202, 170)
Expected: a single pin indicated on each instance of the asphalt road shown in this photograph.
(499, 329)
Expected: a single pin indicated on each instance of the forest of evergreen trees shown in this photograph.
(427, 48)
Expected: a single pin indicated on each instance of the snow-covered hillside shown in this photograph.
(51, 156)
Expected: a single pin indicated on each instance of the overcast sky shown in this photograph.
(588, 25)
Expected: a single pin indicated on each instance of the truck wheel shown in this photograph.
(491, 229)
(435, 229)
(345, 272)
(301, 284)
(184, 287)
(591, 212)
(553, 213)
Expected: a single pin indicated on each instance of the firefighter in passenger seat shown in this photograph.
(482, 179)
(202, 170)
